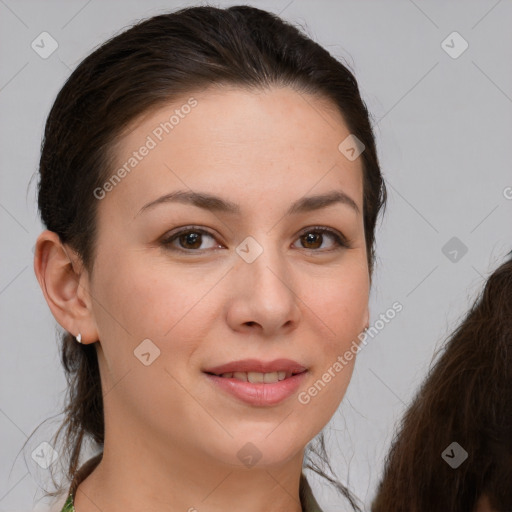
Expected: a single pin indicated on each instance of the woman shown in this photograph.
(210, 187)
(454, 448)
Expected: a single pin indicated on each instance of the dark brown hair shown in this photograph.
(151, 64)
(466, 398)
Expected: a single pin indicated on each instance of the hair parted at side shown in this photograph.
(153, 63)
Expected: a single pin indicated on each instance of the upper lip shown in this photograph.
(256, 365)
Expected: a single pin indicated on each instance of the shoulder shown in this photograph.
(309, 503)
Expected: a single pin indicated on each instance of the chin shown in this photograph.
(249, 451)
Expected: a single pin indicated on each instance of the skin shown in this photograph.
(484, 505)
(172, 438)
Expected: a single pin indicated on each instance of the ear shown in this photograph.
(65, 285)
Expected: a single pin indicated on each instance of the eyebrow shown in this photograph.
(218, 204)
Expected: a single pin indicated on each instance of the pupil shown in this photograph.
(192, 239)
(310, 237)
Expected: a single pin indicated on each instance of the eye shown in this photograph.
(191, 239)
(188, 239)
(314, 236)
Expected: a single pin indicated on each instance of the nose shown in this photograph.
(264, 294)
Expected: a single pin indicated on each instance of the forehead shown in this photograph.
(271, 143)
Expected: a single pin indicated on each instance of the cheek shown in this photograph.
(148, 300)
(147, 317)
(321, 397)
(169, 307)
(340, 303)
(340, 310)
(132, 305)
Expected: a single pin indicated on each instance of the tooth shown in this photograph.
(258, 377)
(254, 377)
(270, 377)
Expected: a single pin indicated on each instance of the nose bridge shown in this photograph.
(264, 271)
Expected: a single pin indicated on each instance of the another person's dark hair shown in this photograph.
(466, 398)
(152, 63)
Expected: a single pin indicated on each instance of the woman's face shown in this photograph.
(252, 282)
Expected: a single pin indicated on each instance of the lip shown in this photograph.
(259, 394)
(256, 365)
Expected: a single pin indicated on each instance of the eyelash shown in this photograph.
(340, 240)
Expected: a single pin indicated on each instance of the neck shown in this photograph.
(137, 478)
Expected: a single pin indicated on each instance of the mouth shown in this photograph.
(258, 377)
(257, 388)
(257, 371)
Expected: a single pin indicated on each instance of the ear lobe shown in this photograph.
(62, 281)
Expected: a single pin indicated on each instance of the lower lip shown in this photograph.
(259, 393)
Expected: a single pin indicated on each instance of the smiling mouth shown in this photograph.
(257, 377)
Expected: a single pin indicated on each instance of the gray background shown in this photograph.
(443, 128)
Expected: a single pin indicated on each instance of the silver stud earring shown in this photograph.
(79, 338)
